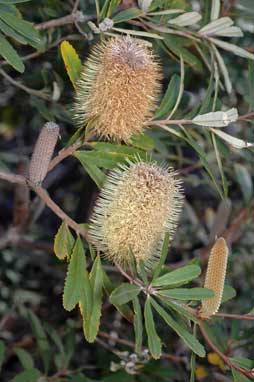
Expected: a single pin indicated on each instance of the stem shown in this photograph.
(37, 93)
(231, 364)
(132, 345)
(249, 317)
(43, 194)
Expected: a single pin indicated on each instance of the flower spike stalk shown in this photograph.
(118, 88)
(215, 277)
(140, 201)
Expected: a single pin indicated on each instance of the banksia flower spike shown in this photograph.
(215, 277)
(118, 88)
(138, 204)
(43, 152)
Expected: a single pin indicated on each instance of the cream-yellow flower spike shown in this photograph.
(139, 202)
(118, 88)
(215, 277)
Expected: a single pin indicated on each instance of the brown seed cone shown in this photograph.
(118, 88)
(138, 204)
(215, 277)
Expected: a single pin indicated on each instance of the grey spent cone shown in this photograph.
(43, 152)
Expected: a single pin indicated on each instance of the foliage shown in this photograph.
(202, 127)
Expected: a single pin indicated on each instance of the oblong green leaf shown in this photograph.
(154, 341)
(31, 375)
(170, 97)
(75, 276)
(10, 55)
(188, 338)
(23, 27)
(11, 33)
(178, 276)
(138, 325)
(127, 14)
(187, 294)
(13, 1)
(91, 326)
(177, 307)
(72, 61)
(2, 353)
(124, 293)
(24, 357)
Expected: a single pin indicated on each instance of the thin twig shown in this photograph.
(131, 344)
(69, 150)
(43, 194)
(37, 93)
(249, 317)
(247, 373)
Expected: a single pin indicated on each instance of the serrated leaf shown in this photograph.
(31, 375)
(24, 357)
(23, 27)
(10, 55)
(72, 61)
(170, 97)
(2, 353)
(75, 276)
(187, 19)
(41, 338)
(178, 276)
(228, 293)
(233, 141)
(127, 14)
(138, 325)
(232, 48)
(217, 118)
(91, 326)
(154, 341)
(86, 303)
(63, 242)
(188, 338)
(187, 293)
(124, 293)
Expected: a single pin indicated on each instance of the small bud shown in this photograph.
(118, 88)
(215, 277)
(138, 204)
(43, 152)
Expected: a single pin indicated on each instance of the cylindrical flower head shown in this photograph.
(118, 88)
(215, 277)
(43, 152)
(138, 204)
